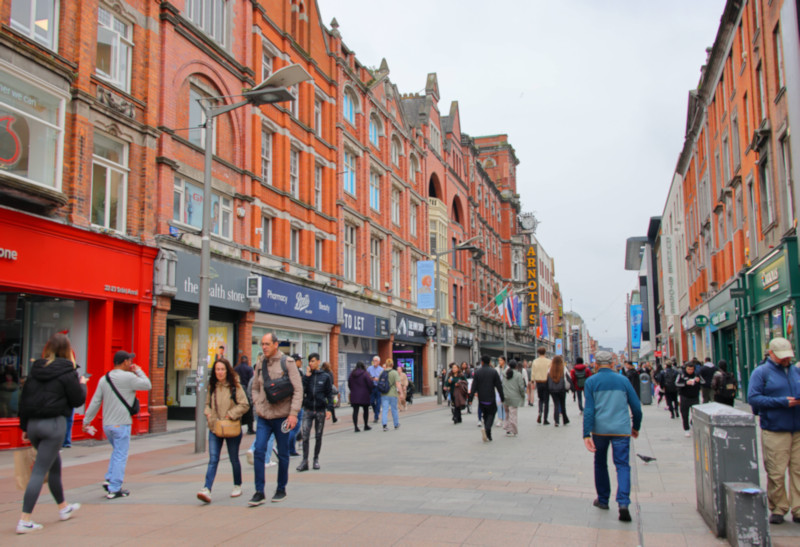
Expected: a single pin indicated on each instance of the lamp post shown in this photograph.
(272, 90)
(463, 246)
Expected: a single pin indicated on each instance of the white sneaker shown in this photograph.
(688, 434)
(250, 457)
(27, 527)
(67, 512)
(270, 464)
(480, 423)
(236, 492)
(204, 495)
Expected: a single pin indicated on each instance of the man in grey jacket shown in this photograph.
(127, 378)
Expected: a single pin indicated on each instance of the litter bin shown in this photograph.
(725, 451)
(645, 393)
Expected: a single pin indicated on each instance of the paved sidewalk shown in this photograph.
(428, 483)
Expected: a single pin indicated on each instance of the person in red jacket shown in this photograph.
(579, 374)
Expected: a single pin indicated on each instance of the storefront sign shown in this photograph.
(382, 327)
(464, 337)
(532, 268)
(425, 294)
(719, 317)
(8, 254)
(227, 287)
(700, 321)
(668, 269)
(358, 323)
(771, 283)
(410, 329)
(282, 298)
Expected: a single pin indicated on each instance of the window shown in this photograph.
(729, 217)
(413, 167)
(374, 130)
(413, 283)
(36, 19)
(349, 172)
(318, 254)
(454, 308)
(318, 187)
(395, 272)
(776, 40)
(209, 16)
(765, 189)
(742, 43)
(294, 173)
(762, 95)
(294, 245)
(739, 207)
(293, 106)
(349, 252)
(396, 206)
(266, 156)
(349, 107)
(375, 190)
(786, 178)
(187, 208)
(266, 62)
(375, 263)
(436, 139)
(412, 220)
(726, 162)
(737, 161)
(747, 133)
(197, 120)
(396, 152)
(109, 183)
(114, 47)
(751, 198)
(318, 117)
(266, 235)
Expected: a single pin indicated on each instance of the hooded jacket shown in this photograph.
(580, 367)
(50, 390)
(360, 384)
(318, 391)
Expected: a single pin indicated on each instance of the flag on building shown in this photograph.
(545, 330)
(510, 316)
(499, 301)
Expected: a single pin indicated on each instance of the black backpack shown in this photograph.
(670, 375)
(727, 388)
(383, 382)
(580, 378)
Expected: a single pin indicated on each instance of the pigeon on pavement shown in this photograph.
(646, 459)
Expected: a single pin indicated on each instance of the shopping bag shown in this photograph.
(23, 465)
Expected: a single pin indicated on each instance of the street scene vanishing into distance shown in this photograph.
(294, 272)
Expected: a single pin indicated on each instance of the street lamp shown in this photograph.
(272, 90)
(476, 253)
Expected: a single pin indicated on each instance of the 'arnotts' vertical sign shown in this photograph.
(532, 267)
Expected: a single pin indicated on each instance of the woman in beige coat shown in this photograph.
(401, 394)
(226, 400)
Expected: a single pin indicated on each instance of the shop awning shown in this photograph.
(496, 346)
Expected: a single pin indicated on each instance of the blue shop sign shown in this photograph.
(357, 323)
(281, 298)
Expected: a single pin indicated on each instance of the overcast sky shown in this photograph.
(592, 95)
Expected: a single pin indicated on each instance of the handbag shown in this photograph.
(225, 429)
(23, 465)
(133, 410)
(279, 389)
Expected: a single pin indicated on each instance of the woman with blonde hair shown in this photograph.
(51, 391)
(226, 400)
(403, 391)
(557, 386)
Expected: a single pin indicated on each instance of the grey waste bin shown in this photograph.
(645, 393)
(746, 515)
(725, 451)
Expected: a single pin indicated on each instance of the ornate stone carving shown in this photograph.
(115, 103)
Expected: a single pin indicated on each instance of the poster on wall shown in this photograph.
(217, 336)
(183, 348)
(425, 286)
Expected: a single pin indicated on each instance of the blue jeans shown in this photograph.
(68, 434)
(120, 438)
(293, 433)
(386, 403)
(270, 442)
(501, 412)
(620, 449)
(375, 402)
(264, 430)
(214, 449)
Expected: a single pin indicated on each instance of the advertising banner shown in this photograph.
(183, 348)
(426, 299)
(532, 269)
(559, 346)
(636, 326)
(282, 298)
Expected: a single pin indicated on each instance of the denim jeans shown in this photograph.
(264, 429)
(270, 442)
(579, 395)
(620, 449)
(316, 417)
(68, 434)
(501, 412)
(387, 403)
(120, 438)
(214, 449)
(375, 402)
(293, 433)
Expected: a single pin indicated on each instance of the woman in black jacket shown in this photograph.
(688, 384)
(51, 391)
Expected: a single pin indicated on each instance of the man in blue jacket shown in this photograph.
(607, 421)
(774, 394)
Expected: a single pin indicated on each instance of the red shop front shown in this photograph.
(54, 278)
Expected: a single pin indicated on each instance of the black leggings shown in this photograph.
(355, 414)
(560, 405)
(317, 417)
(544, 398)
(46, 436)
(686, 409)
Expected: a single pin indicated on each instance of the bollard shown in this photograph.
(725, 448)
(746, 515)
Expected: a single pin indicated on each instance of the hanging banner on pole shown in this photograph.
(532, 269)
(636, 326)
(426, 299)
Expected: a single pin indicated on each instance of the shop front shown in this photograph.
(723, 324)
(772, 291)
(56, 278)
(360, 338)
(303, 319)
(465, 339)
(698, 333)
(407, 350)
(227, 304)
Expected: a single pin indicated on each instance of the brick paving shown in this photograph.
(428, 483)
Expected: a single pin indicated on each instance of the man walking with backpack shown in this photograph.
(724, 384)
(389, 385)
(375, 370)
(579, 374)
(666, 380)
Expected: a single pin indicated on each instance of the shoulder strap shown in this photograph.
(117, 393)
(283, 365)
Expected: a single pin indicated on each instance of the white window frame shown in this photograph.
(211, 17)
(294, 244)
(375, 190)
(349, 107)
(350, 183)
(266, 62)
(111, 168)
(294, 108)
(375, 263)
(294, 172)
(266, 155)
(765, 191)
(374, 131)
(726, 159)
(785, 173)
(318, 187)
(119, 33)
(396, 206)
(350, 248)
(396, 258)
(266, 234)
(413, 220)
(29, 28)
(225, 207)
(318, 117)
(396, 151)
(318, 253)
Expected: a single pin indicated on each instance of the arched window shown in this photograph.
(349, 106)
(413, 167)
(375, 130)
(397, 150)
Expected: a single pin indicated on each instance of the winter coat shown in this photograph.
(572, 375)
(610, 405)
(221, 406)
(50, 390)
(318, 391)
(770, 385)
(686, 390)
(484, 383)
(360, 385)
(514, 389)
(290, 406)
